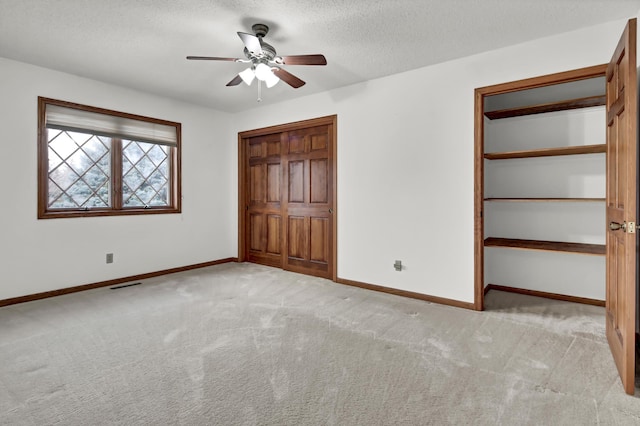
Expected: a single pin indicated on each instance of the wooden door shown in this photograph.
(621, 205)
(308, 201)
(287, 196)
(263, 192)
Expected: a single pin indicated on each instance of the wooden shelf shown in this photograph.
(591, 249)
(546, 200)
(548, 107)
(548, 152)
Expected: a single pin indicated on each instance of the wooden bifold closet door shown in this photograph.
(287, 197)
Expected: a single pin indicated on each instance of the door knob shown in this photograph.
(614, 226)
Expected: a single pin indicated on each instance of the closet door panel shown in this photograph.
(256, 225)
(309, 202)
(296, 181)
(297, 238)
(319, 247)
(319, 190)
(264, 196)
(274, 234)
(257, 183)
(273, 183)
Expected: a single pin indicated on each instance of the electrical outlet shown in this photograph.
(109, 257)
(398, 265)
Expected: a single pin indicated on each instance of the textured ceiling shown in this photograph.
(142, 44)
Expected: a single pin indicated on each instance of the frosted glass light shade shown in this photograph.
(262, 72)
(247, 76)
(271, 80)
(265, 73)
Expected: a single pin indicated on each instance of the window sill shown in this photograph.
(61, 214)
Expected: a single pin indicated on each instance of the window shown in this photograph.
(97, 162)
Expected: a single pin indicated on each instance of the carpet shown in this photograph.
(244, 344)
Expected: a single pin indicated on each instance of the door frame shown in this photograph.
(480, 93)
(243, 137)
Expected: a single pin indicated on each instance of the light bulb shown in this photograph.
(247, 76)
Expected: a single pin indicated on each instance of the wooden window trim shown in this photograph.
(175, 169)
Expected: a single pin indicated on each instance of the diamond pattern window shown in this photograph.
(145, 176)
(97, 162)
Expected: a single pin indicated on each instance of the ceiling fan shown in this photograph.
(265, 64)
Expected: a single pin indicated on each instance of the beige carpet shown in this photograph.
(242, 344)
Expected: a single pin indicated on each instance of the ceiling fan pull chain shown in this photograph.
(259, 91)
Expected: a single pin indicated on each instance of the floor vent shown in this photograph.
(124, 285)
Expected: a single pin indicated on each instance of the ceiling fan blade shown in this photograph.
(236, 80)
(211, 58)
(304, 60)
(288, 78)
(251, 42)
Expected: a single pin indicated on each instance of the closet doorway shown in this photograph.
(564, 233)
(544, 186)
(287, 197)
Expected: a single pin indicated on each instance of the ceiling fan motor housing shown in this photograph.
(260, 30)
(268, 52)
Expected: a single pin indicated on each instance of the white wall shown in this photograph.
(405, 173)
(405, 159)
(42, 255)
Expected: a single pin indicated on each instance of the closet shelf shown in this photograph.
(590, 101)
(591, 249)
(545, 200)
(548, 152)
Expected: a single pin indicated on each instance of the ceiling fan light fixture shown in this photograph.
(264, 65)
(265, 73)
(247, 76)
